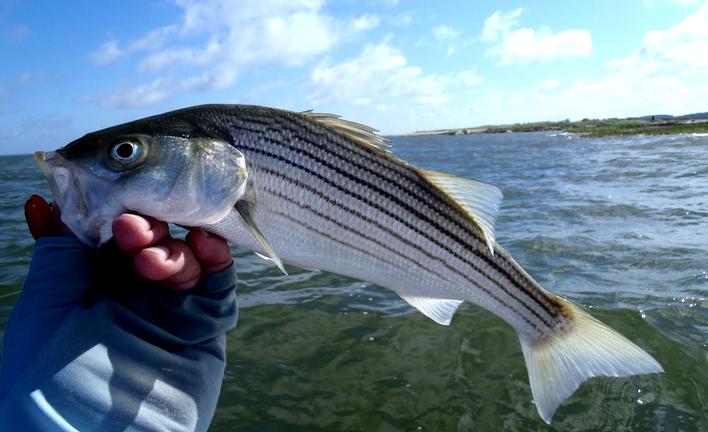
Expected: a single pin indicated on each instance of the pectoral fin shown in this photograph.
(244, 211)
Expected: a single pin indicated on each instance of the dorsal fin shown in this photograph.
(479, 200)
(357, 132)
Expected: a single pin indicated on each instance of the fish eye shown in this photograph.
(126, 152)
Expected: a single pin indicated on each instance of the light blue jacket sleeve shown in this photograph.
(128, 357)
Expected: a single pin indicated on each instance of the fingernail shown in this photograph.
(143, 221)
(146, 223)
(161, 251)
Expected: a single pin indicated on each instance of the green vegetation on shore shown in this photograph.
(593, 127)
(643, 127)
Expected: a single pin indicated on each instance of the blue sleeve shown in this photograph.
(59, 278)
(125, 356)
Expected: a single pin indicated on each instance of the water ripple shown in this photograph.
(619, 225)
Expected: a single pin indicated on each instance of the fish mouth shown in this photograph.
(55, 168)
(81, 196)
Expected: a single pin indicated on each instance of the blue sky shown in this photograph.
(72, 67)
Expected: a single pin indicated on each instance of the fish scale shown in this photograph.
(262, 154)
(317, 191)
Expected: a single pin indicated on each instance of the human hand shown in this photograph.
(174, 264)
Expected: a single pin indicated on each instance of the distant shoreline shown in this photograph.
(591, 128)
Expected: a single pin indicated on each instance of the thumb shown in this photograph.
(39, 217)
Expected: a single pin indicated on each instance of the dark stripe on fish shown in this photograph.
(349, 228)
(412, 211)
(334, 239)
(402, 239)
(515, 277)
(410, 177)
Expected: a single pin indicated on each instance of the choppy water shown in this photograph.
(619, 225)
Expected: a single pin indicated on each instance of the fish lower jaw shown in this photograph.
(93, 230)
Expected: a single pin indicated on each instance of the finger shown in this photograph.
(211, 251)
(170, 262)
(134, 232)
(61, 227)
(39, 217)
(189, 273)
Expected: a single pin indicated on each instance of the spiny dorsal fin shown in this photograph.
(438, 310)
(357, 132)
(244, 210)
(479, 200)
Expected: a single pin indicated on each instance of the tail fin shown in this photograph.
(558, 364)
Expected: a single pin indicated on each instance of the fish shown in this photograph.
(316, 191)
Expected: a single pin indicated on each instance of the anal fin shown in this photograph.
(438, 310)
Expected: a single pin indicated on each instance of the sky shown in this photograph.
(68, 68)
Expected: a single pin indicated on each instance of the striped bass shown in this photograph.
(316, 191)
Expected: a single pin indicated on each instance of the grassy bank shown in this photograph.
(594, 128)
(643, 128)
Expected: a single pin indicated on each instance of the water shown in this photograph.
(618, 225)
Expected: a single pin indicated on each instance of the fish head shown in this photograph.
(156, 168)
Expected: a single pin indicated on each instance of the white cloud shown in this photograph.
(468, 78)
(444, 33)
(524, 45)
(551, 84)
(663, 76)
(246, 32)
(107, 53)
(365, 22)
(231, 35)
(499, 23)
(380, 76)
(160, 89)
(253, 32)
(110, 51)
(143, 95)
(682, 44)
(686, 2)
(22, 81)
(402, 20)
